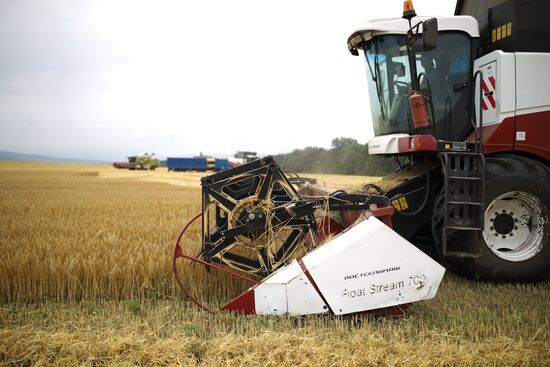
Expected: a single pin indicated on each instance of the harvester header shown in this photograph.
(304, 250)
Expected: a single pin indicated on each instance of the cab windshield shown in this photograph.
(444, 72)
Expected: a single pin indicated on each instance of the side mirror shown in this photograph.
(429, 34)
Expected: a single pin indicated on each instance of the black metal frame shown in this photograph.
(262, 181)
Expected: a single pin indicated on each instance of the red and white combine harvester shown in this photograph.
(463, 104)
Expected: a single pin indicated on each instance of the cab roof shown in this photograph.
(377, 27)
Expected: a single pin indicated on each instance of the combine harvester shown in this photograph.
(465, 118)
(142, 161)
(470, 130)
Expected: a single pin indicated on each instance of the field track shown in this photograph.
(85, 279)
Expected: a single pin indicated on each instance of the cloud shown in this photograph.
(108, 78)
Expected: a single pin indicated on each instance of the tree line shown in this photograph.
(346, 157)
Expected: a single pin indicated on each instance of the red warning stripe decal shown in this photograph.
(493, 82)
(488, 93)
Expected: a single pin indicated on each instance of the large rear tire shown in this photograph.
(515, 245)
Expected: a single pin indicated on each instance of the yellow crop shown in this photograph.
(86, 279)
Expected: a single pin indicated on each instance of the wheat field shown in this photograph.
(85, 279)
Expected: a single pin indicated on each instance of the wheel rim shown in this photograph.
(514, 226)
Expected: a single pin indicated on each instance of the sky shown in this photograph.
(105, 79)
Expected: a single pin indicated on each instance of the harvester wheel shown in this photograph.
(515, 245)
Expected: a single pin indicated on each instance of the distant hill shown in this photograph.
(13, 156)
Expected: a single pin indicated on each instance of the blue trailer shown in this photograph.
(186, 164)
(222, 164)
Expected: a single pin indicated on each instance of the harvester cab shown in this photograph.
(418, 68)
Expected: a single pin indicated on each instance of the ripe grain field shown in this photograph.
(85, 279)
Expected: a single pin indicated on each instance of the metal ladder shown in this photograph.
(464, 186)
(463, 208)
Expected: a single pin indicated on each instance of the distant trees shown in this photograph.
(346, 157)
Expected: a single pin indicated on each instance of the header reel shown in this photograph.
(253, 218)
(255, 221)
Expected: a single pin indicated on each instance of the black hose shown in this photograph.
(410, 214)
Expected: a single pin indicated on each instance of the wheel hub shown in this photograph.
(504, 223)
(245, 212)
